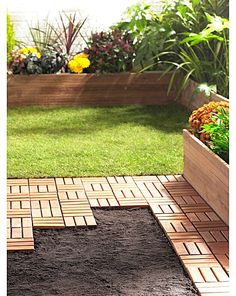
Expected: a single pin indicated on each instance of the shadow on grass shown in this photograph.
(71, 121)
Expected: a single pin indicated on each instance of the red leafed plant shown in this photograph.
(110, 52)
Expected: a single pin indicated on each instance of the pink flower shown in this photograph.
(126, 47)
(109, 44)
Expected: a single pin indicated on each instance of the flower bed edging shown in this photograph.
(194, 101)
(89, 89)
(208, 174)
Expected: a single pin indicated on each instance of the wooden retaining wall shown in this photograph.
(88, 89)
(194, 101)
(208, 174)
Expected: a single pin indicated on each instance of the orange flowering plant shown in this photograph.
(210, 124)
(204, 115)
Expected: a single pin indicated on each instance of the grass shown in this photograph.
(130, 140)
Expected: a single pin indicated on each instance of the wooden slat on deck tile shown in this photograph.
(73, 209)
(132, 202)
(221, 288)
(48, 222)
(46, 210)
(22, 244)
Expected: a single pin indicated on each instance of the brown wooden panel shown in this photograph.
(89, 89)
(208, 174)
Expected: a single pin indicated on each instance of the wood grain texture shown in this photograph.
(89, 89)
(193, 100)
(208, 174)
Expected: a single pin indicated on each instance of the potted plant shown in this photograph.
(206, 155)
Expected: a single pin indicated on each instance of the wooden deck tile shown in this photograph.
(200, 261)
(143, 179)
(69, 184)
(18, 213)
(197, 234)
(180, 178)
(132, 202)
(219, 248)
(219, 288)
(191, 248)
(48, 222)
(163, 179)
(173, 216)
(42, 185)
(185, 236)
(224, 261)
(177, 226)
(23, 244)
(210, 225)
(73, 209)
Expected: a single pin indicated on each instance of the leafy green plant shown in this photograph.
(218, 131)
(188, 36)
(42, 35)
(29, 61)
(135, 20)
(11, 42)
(204, 56)
(110, 52)
(53, 59)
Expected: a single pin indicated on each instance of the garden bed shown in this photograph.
(89, 89)
(208, 174)
(127, 254)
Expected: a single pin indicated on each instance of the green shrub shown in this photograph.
(186, 35)
(110, 52)
(11, 42)
(218, 130)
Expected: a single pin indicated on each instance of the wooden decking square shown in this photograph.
(198, 236)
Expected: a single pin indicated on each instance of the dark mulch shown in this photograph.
(127, 254)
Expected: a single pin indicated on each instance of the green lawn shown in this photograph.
(130, 140)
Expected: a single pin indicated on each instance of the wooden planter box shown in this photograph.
(208, 174)
(193, 101)
(88, 89)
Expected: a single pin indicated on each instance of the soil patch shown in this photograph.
(127, 254)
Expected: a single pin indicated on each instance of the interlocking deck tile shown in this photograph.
(103, 198)
(145, 179)
(42, 185)
(98, 183)
(69, 184)
(46, 210)
(132, 202)
(164, 207)
(72, 209)
(198, 235)
(177, 225)
(19, 222)
(22, 244)
(173, 216)
(224, 261)
(219, 248)
(220, 288)
(48, 222)
(210, 225)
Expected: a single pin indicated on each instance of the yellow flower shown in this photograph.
(79, 62)
(84, 62)
(27, 50)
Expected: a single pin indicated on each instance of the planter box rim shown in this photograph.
(185, 131)
(212, 93)
(88, 74)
